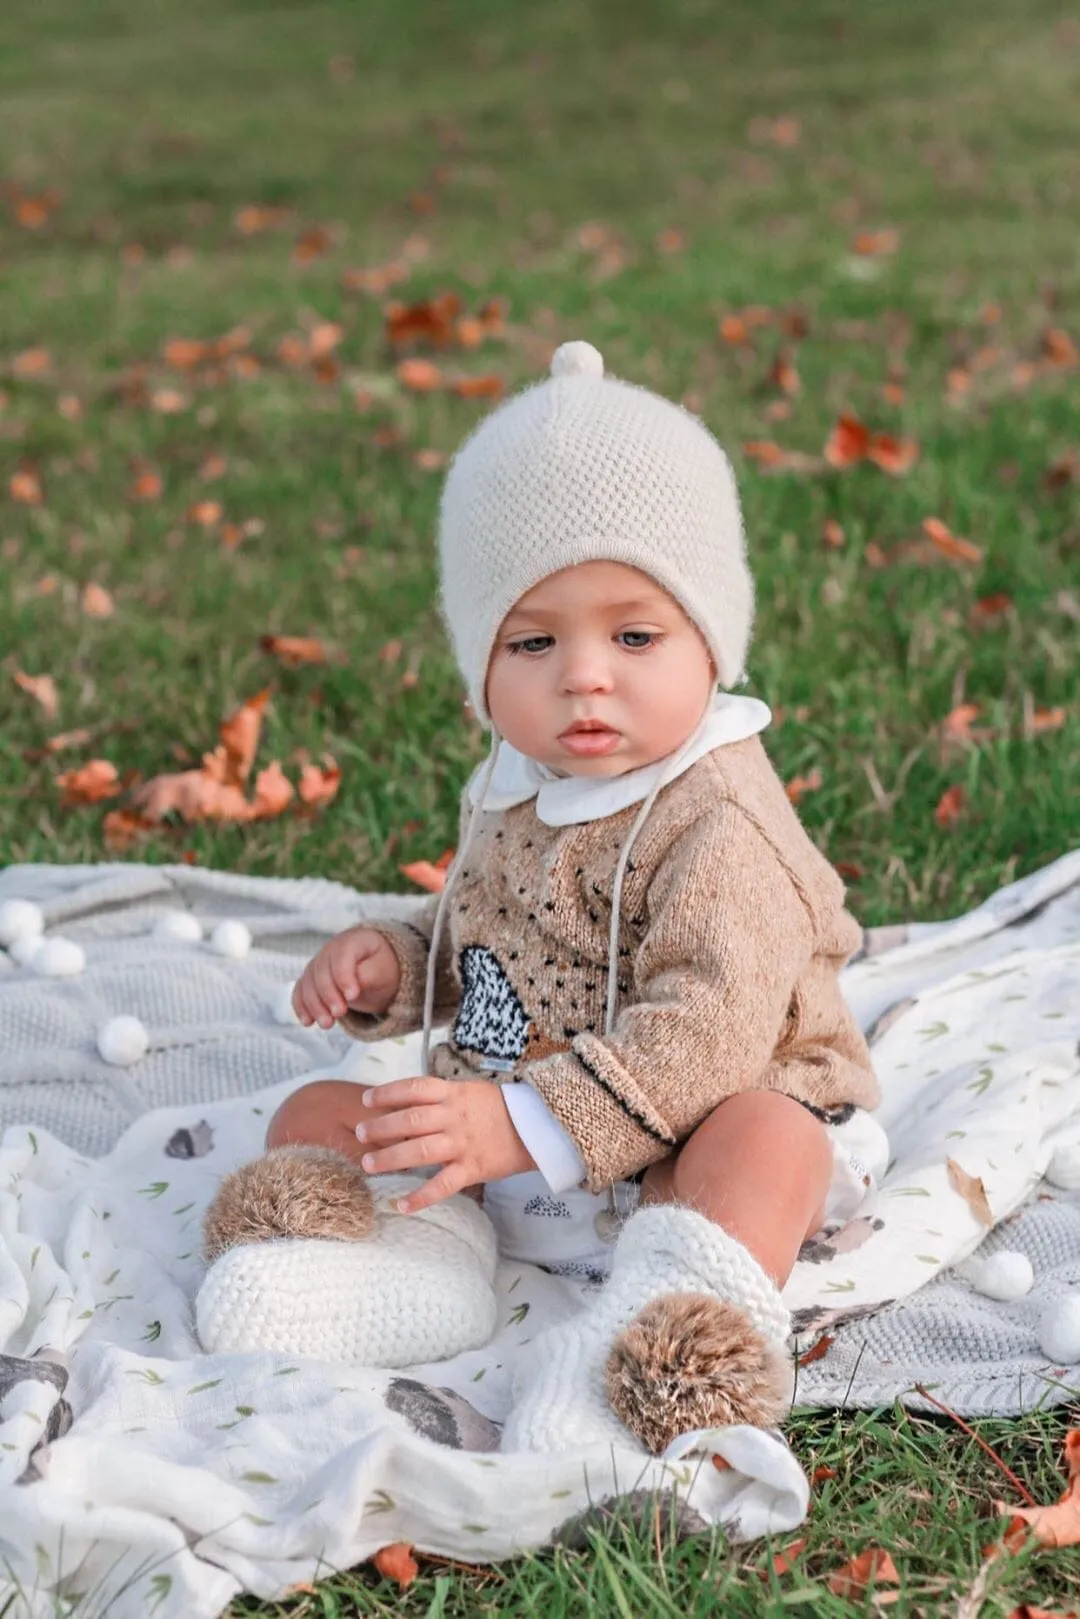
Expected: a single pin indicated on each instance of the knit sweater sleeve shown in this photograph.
(727, 936)
(411, 943)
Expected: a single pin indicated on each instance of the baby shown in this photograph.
(650, 1068)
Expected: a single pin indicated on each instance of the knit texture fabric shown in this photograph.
(732, 935)
(559, 1395)
(420, 1288)
(584, 468)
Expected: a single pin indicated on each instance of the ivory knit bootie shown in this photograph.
(414, 1288)
(688, 1333)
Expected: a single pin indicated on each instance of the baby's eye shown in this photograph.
(638, 640)
(529, 644)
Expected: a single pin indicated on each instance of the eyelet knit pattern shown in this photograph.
(419, 1288)
(560, 1394)
(585, 468)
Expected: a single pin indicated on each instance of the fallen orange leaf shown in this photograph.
(832, 534)
(147, 484)
(957, 723)
(764, 451)
(89, 784)
(252, 219)
(950, 806)
(319, 785)
(421, 376)
(820, 1349)
(733, 330)
(784, 1560)
(122, 828)
(185, 353)
(895, 455)
(1046, 719)
(1059, 348)
(312, 244)
(871, 1567)
(42, 688)
(485, 387)
(294, 649)
(429, 874)
(206, 513)
(25, 487)
(31, 363)
(325, 337)
(876, 243)
(799, 785)
(784, 374)
(990, 607)
(971, 1189)
(96, 601)
(396, 1562)
(240, 736)
(213, 466)
(948, 543)
(432, 320)
(168, 401)
(1057, 1525)
(848, 443)
(273, 791)
(67, 739)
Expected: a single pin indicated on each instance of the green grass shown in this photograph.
(956, 125)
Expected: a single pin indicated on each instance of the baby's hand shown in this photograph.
(462, 1124)
(356, 969)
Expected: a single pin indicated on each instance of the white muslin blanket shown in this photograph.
(139, 1475)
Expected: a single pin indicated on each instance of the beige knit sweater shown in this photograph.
(733, 931)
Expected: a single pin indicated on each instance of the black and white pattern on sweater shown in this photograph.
(491, 1020)
(549, 1208)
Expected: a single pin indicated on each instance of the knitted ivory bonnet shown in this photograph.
(585, 468)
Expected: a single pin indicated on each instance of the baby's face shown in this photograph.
(603, 642)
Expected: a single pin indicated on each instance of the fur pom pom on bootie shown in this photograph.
(688, 1334)
(290, 1192)
(309, 1257)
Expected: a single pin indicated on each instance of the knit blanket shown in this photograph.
(139, 1475)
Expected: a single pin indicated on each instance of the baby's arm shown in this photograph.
(729, 934)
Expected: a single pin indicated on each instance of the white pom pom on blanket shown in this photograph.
(178, 925)
(123, 1041)
(1059, 1331)
(231, 939)
(58, 958)
(20, 919)
(1006, 1275)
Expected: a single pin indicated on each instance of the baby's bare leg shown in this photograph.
(322, 1114)
(760, 1166)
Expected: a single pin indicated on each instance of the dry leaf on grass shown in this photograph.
(950, 806)
(396, 1562)
(798, 786)
(42, 688)
(971, 1189)
(429, 874)
(319, 783)
(294, 649)
(870, 1567)
(950, 544)
(1057, 1525)
(90, 784)
(96, 601)
(24, 486)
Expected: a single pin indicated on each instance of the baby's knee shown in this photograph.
(770, 1123)
(322, 1114)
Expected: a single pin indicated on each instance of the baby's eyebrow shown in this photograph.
(543, 615)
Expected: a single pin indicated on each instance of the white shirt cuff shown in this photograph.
(553, 1151)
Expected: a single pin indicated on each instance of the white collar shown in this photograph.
(571, 800)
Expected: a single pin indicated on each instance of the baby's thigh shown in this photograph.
(322, 1114)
